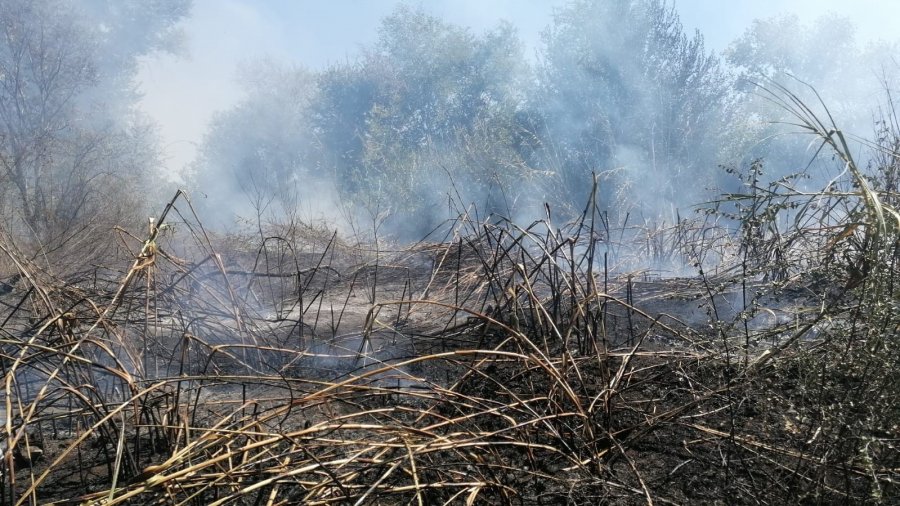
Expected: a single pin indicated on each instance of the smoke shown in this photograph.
(71, 130)
(409, 114)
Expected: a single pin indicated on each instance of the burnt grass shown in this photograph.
(497, 364)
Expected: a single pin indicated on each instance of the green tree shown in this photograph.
(428, 103)
(822, 63)
(623, 91)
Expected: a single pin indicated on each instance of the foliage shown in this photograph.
(505, 365)
(68, 135)
(429, 103)
(259, 158)
(433, 114)
(623, 88)
(842, 241)
(828, 58)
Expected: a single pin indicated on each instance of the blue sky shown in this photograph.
(183, 93)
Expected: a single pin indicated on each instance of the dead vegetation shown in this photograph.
(501, 364)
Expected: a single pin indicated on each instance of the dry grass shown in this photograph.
(502, 364)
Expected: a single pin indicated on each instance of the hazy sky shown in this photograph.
(183, 93)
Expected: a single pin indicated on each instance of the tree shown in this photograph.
(68, 136)
(430, 102)
(260, 156)
(822, 64)
(624, 92)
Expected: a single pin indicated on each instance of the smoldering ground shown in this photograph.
(443, 268)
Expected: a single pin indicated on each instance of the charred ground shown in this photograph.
(498, 364)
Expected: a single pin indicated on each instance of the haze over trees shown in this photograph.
(75, 157)
(506, 300)
(624, 92)
(263, 148)
(429, 120)
(821, 62)
(429, 103)
(433, 117)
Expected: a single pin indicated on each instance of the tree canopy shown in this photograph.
(433, 114)
(69, 136)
